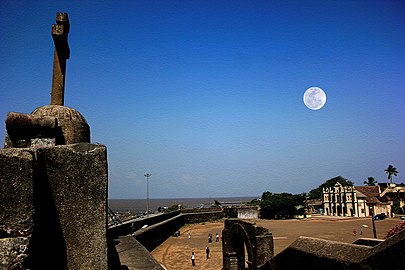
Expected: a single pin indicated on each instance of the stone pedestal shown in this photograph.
(53, 207)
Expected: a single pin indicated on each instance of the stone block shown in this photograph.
(53, 204)
(16, 192)
(76, 176)
(14, 253)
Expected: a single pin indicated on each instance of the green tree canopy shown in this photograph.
(396, 207)
(317, 192)
(283, 205)
(391, 171)
(370, 181)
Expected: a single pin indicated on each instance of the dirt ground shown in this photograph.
(175, 252)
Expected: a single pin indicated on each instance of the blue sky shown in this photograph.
(207, 95)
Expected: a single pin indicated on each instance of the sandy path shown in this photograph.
(175, 252)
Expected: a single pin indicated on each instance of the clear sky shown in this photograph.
(207, 96)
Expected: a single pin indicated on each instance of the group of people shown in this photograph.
(210, 238)
(207, 250)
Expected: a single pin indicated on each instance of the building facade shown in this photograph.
(361, 201)
(340, 201)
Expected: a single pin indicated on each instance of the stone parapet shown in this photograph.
(53, 207)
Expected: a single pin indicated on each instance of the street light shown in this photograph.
(147, 175)
(372, 220)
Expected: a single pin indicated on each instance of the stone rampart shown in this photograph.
(154, 235)
(132, 225)
(132, 255)
(151, 236)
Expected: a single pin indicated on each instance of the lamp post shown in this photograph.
(147, 175)
(372, 220)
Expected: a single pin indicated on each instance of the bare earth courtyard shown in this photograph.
(175, 252)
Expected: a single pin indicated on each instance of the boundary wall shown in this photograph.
(149, 233)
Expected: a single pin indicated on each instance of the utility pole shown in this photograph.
(147, 175)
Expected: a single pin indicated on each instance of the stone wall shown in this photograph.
(17, 168)
(248, 212)
(203, 216)
(132, 255)
(149, 237)
(244, 242)
(152, 236)
(245, 212)
(53, 207)
(132, 225)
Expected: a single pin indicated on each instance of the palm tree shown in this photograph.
(391, 171)
(370, 181)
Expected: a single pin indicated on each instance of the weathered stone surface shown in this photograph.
(77, 177)
(14, 253)
(73, 126)
(313, 253)
(237, 235)
(60, 32)
(16, 192)
(55, 198)
(51, 125)
(22, 128)
(389, 254)
(134, 256)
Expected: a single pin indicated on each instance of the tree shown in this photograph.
(317, 192)
(391, 171)
(396, 207)
(283, 205)
(370, 181)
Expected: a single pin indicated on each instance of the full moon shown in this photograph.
(314, 98)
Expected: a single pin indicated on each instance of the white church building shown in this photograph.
(351, 201)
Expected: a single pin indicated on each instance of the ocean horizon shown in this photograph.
(139, 205)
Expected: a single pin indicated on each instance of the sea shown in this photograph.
(139, 205)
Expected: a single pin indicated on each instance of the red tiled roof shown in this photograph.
(371, 193)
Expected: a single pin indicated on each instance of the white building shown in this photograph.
(351, 201)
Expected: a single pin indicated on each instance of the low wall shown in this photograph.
(152, 236)
(132, 255)
(202, 217)
(130, 226)
(247, 212)
(159, 229)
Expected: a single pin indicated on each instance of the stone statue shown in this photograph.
(53, 124)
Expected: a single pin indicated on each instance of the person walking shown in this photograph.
(217, 237)
(207, 251)
(192, 258)
(354, 231)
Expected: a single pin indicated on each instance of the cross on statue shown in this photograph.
(60, 32)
